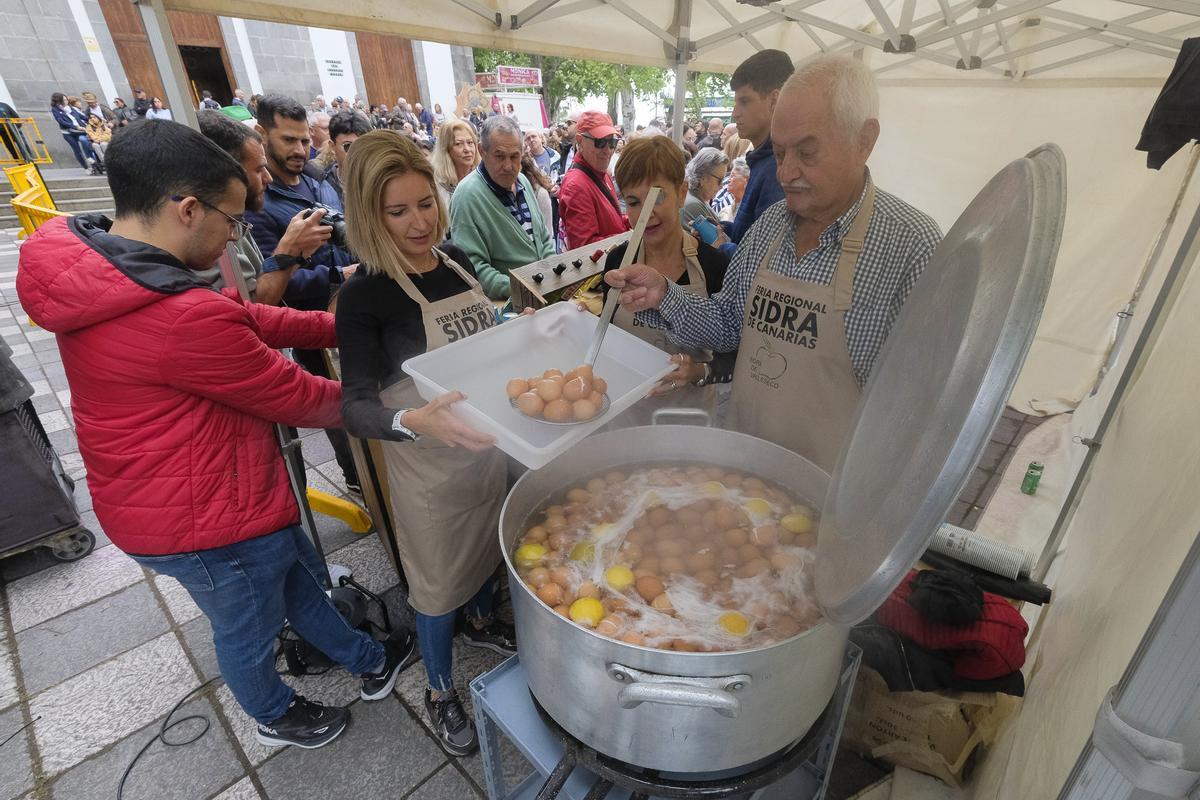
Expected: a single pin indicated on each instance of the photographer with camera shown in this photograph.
(283, 125)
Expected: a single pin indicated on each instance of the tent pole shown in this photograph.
(683, 48)
(169, 61)
(1156, 320)
(1126, 313)
(677, 113)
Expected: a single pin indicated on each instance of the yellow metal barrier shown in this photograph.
(349, 513)
(33, 203)
(21, 142)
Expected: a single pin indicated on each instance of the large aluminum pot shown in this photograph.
(671, 711)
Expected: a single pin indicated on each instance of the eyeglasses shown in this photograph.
(241, 226)
(602, 144)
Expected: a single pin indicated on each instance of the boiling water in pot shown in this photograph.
(675, 556)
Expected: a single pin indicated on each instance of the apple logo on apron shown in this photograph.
(767, 365)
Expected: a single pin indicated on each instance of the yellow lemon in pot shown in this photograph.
(587, 611)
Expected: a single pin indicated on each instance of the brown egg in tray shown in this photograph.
(560, 399)
(675, 556)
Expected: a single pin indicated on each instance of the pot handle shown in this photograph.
(676, 690)
(676, 411)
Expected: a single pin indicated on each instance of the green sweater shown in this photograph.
(486, 231)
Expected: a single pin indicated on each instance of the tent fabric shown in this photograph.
(938, 146)
(724, 32)
(1135, 524)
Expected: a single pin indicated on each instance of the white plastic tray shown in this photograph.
(555, 337)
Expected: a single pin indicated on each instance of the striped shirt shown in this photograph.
(899, 243)
(514, 201)
(723, 198)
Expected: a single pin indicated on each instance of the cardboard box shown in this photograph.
(938, 733)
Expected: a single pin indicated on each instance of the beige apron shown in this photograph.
(690, 396)
(445, 500)
(794, 384)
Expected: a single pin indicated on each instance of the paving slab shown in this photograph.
(63, 441)
(78, 640)
(198, 635)
(242, 790)
(381, 756)
(8, 674)
(316, 448)
(85, 714)
(190, 772)
(1007, 428)
(183, 609)
(993, 454)
(16, 767)
(335, 533)
(975, 485)
(447, 784)
(335, 687)
(54, 591)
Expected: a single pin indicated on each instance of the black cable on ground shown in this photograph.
(167, 725)
(13, 735)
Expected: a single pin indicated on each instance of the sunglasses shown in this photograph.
(602, 144)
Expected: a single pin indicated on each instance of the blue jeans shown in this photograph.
(247, 590)
(435, 635)
(81, 147)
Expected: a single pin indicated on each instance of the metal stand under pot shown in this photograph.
(565, 767)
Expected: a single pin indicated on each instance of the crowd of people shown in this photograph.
(175, 386)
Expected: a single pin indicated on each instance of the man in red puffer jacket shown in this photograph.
(175, 388)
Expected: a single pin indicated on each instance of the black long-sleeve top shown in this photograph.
(713, 264)
(379, 327)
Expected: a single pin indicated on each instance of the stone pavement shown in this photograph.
(93, 654)
(96, 652)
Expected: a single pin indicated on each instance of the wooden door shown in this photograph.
(133, 47)
(388, 68)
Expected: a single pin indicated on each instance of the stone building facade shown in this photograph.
(100, 46)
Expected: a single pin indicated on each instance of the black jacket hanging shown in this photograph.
(1175, 119)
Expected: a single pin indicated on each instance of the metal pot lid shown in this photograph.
(939, 386)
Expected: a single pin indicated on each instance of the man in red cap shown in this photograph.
(587, 201)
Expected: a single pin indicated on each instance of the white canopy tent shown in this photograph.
(965, 88)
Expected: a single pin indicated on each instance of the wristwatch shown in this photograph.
(400, 427)
(707, 377)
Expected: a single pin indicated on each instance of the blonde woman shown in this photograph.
(735, 147)
(445, 480)
(456, 154)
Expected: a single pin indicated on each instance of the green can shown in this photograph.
(1033, 476)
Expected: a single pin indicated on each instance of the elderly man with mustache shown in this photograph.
(817, 282)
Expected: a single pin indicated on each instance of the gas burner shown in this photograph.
(646, 783)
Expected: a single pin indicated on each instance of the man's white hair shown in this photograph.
(853, 95)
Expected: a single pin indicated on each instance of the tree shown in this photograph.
(578, 79)
(703, 85)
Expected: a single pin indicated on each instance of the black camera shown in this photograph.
(332, 219)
